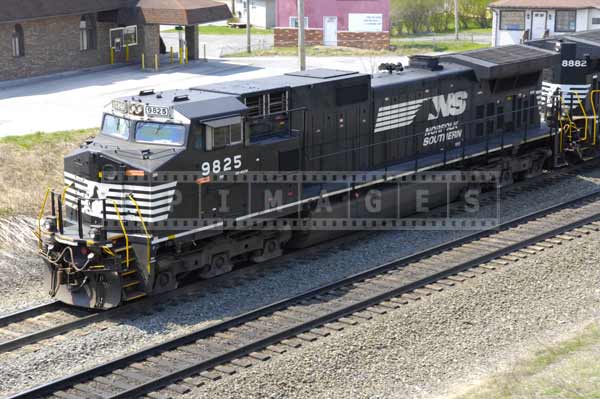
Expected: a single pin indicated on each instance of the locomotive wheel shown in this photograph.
(220, 264)
(271, 250)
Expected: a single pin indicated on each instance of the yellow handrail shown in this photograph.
(584, 115)
(568, 118)
(124, 233)
(148, 238)
(561, 130)
(595, 114)
(40, 215)
(62, 201)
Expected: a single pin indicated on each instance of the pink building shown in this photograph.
(354, 23)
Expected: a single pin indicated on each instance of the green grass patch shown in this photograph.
(226, 30)
(415, 47)
(568, 369)
(29, 141)
(402, 48)
(462, 32)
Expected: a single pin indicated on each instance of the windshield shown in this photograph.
(116, 127)
(159, 133)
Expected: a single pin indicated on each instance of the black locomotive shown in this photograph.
(191, 182)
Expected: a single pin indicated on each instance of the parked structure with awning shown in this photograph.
(39, 37)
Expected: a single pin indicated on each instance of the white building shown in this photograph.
(515, 20)
(262, 12)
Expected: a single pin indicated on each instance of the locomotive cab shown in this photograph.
(98, 240)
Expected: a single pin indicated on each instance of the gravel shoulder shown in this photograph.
(85, 348)
(452, 338)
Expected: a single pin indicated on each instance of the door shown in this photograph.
(538, 25)
(330, 29)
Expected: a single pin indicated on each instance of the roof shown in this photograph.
(280, 82)
(21, 10)
(505, 61)
(546, 4)
(168, 12)
(194, 104)
(414, 75)
(182, 12)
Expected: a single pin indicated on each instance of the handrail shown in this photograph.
(40, 215)
(62, 202)
(593, 92)
(568, 117)
(148, 237)
(560, 122)
(585, 136)
(124, 233)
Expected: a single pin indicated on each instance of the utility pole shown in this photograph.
(233, 7)
(301, 38)
(248, 26)
(456, 18)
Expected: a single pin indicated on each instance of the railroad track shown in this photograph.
(173, 368)
(47, 321)
(41, 322)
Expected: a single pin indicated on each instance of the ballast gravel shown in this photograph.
(432, 346)
(85, 348)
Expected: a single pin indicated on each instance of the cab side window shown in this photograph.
(222, 136)
(197, 136)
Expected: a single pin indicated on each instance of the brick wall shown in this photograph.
(52, 45)
(288, 37)
(364, 40)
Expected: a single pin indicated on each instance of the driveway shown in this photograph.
(76, 101)
(220, 45)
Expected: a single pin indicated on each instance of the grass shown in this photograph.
(30, 164)
(402, 48)
(472, 28)
(568, 369)
(38, 139)
(226, 30)
(463, 32)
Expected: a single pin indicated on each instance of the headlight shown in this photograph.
(136, 109)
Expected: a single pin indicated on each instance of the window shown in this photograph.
(121, 37)
(512, 20)
(595, 21)
(294, 22)
(159, 133)
(87, 32)
(116, 127)
(18, 41)
(130, 34)
(226, 135)
(224, 132)
(566, 21)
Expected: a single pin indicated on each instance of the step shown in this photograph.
(132, 296)
(128, 273)
(122, 249)
(131, 283)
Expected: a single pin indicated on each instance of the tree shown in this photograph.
(419, 16)
(476, 10)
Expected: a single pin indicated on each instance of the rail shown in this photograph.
(124, 234)
(40, 215)
(148, 236)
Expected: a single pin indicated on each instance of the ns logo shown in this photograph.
(454, 104)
